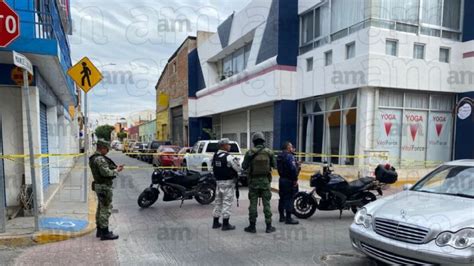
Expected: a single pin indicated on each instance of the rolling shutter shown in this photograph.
(44, 145)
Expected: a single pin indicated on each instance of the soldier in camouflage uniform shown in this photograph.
(258, 162)
(104, 170)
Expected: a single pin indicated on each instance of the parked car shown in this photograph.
(119, 147)
(200, 157)
(153, 148)
(136, 149)
(431, 222)
(178, 159)
(165, 156)
(129, 147)
(143, 151)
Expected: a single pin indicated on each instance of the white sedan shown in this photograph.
(431, 222)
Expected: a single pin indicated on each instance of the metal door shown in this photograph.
(177, 126)
(44, 145)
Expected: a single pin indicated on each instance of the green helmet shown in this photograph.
(258, 136)
(103, 143)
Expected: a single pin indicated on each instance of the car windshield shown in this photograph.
(449, 180)
(214, 146)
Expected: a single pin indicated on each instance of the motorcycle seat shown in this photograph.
(360, 183)
(186, 179)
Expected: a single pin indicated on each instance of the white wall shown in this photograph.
(11, 116)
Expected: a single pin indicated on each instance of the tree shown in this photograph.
(122, 135)
(103, 132)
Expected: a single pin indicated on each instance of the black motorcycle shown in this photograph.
(337, 194)
(179, 185)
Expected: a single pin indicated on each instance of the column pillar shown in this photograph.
(285, 123)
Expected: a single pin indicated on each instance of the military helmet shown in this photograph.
(103, 143)
(258, 136)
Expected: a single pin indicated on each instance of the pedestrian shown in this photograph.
(104, 171)
(258, 162)
(226, 171)
(288, 169)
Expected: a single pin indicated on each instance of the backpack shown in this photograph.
(260, 163)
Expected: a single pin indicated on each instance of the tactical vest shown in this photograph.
(260, 164)
(98, 178)
(221, 169)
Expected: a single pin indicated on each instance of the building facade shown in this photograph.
(44, 26)
(172, 97)
(340, 78)
(147, 131)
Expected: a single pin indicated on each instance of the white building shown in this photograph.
(361, 75)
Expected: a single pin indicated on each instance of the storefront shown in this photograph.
(413, 128)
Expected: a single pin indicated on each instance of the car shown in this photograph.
(136, 149)
(178, 159)
(143, 152)
(153, 148)
(431, 222)
(164, 156)
(129, 146)
(119, 147)
(200, 157)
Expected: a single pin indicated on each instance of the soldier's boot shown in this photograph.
(251, 228)
(108, 235)
(290, 220)
(270, 228)
(226, 226)
(282, 217)
(98, 233)
(216, 224)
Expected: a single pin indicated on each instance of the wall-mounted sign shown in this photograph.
(464, 111)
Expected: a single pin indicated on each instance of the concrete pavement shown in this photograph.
(167, 234)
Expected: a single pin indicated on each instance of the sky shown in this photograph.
(131, 41)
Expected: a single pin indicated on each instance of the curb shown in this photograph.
(45, 237)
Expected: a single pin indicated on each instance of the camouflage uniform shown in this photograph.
(259, 186)
(104, 171)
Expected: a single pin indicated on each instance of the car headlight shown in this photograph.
(460, 240)
(362, 218)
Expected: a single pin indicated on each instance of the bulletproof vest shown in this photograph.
(98, 178)
(220, 168)
(260, 164)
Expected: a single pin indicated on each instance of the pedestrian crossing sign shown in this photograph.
(85, 74)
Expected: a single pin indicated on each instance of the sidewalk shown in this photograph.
(66, 216)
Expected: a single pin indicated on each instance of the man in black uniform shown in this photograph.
(288, 169)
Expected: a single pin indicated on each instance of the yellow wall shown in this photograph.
(162, 117)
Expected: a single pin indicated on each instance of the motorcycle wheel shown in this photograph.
(367, 197)
(304, 205)
(148, 197)
(206, 195)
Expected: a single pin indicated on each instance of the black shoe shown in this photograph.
(107, 235)
(98, 233)
(251, 228)
(282, 218)
(216, 224)
(227, 226)
(290, 220)
(270, 228)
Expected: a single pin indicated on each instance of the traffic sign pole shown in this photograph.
(30, 145)
(86, 146)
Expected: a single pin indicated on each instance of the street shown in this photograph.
(167, 234)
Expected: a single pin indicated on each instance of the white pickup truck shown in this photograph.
(200, 157)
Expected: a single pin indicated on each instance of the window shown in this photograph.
(227, 66)
(247, 48)
(444, 54)
(234, 63)
(307, 24)
(345, 13)
(419, 51)
(350, 50)
(328, 58)
(309, 64)
(238, 61)
(391, 47)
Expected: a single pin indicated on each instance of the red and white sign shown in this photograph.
(440, 128)
(9, 25)
(388, 132)
(414, 136)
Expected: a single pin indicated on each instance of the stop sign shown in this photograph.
(9, 25)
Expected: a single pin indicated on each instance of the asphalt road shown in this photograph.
(167, 234)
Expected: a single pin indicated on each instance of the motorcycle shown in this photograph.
(179, 185)
(337, 194)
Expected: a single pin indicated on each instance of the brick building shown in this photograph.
(172, 94)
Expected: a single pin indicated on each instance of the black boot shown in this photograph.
(289, 219)
(282, 217)
(98, 233)
(270, 228)
(216, 224)
(251, 228)
(107, 235)
(227, 226)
